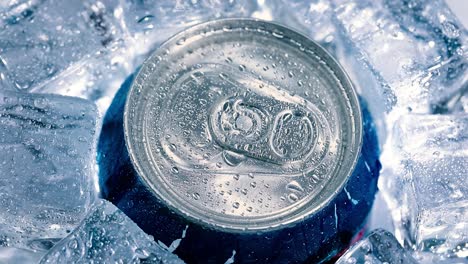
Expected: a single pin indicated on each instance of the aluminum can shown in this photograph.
(247, 137)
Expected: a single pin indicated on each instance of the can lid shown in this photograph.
(243, 125)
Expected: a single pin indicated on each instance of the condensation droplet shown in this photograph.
(293, 197)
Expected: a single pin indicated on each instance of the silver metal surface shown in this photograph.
(243, 125)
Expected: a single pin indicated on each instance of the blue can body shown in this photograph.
(315, 239)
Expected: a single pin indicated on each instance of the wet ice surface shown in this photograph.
(427, 183)
(421, 44)
(378, 247)
(11, 255)
(73, 48)
(107, 235)
(404, 56)
(39, 39)
(87, 48)
(47, 166)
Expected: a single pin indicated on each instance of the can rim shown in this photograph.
(332, 64)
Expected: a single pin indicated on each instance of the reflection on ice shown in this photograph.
(47, 167)
(107, 235)
(378, 247)
(426, 183)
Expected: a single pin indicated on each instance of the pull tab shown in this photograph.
(263, 128)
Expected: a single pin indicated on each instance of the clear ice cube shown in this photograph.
(403, 56)
(425, 183)
(47, 167)
(40, 39)
(158, 20)
(107, 235)
(88, 48)
(379, 247)
(314, 18)
(415, 50)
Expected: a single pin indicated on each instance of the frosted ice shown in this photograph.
(378, 247)
(314, 18)
(38, 40)
(158, 20)
(403, 56)
(9, 255)
(379, 216)
(427, 183)
(458, 103)
(47, 167)
(416, 51)
(88, 48)
(107, 235)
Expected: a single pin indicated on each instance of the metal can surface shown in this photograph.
(252, 136)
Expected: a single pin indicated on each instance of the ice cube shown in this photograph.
(91, 52)
(415, 50)
(379, 247)
(39, 39)
(9, 255)
(152, 22)
(315, 18)
(379, 217)
(403, 56)
(425, 183)
(456, 103)
(107, 235)
(47, 167)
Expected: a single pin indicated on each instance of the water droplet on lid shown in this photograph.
(295, 186)
(196, 196)
(236, 205)
(244, 191)
(223, 76)
(180, 41)
(253, 184)
(241, 67)
(73, 244)
(175, 170)
(278, 34)
(293, 197)
(249, 209)
(40, 102)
